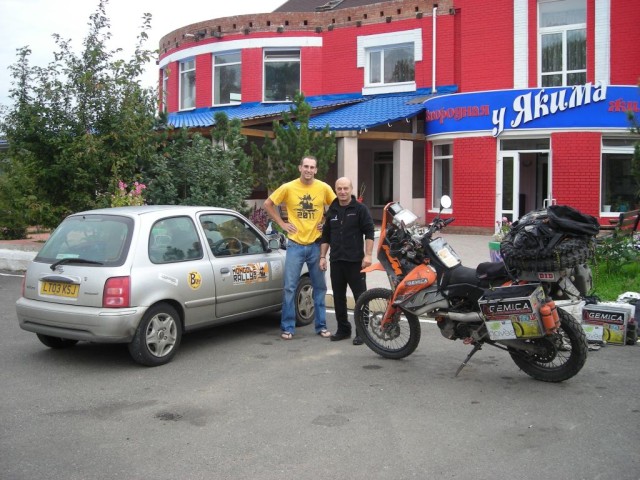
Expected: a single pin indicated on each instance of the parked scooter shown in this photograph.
(483, 306)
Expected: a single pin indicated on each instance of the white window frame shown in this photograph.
(561, 30)
(185, 72)
(366, 44)
(266, 60)
(233, 101)
(608, 149)
(437, 180)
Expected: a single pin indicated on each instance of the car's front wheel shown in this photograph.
(158, 336)
(304, 302)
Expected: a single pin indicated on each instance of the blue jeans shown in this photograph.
(297, 256)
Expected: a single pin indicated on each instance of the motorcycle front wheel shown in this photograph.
(395, 340)
(562, 355)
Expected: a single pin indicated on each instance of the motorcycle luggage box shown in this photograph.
(513, 312)
(607, 322)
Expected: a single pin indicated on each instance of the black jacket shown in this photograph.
(344, 228)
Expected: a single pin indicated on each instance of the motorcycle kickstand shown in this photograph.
(477, 346)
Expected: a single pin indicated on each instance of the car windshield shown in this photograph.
(103, 239)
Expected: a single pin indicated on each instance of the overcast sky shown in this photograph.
(33, 22)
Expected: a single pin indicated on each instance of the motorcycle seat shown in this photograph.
(491, 271)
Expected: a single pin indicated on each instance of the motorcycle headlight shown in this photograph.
(406, 217)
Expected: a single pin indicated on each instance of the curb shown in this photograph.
(16, 260)
(328, 301)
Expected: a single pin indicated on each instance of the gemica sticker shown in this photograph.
(194, 279)
(249, 273)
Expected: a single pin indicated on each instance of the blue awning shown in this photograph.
(204, 117)
(377, 110)
(348, 112)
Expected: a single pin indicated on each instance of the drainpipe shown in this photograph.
(433, 55)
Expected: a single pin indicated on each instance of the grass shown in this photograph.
(610, 281)
(616, 269)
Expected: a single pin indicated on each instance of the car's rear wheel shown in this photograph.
(304, 302)
(158, 336)
(56, 342)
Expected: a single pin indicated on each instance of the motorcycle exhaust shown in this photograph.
(468, 317)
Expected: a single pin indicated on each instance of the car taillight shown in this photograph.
(116, 292)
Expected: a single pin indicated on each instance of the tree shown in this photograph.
(81, 124)
(278, 160)
(194, 170)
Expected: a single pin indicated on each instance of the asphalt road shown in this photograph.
(239, 403)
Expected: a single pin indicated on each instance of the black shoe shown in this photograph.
(340, 336)
(357, 340)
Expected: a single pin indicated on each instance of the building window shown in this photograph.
(389, 65)
(382, 178)
(281, 75)
(563, 42)
(388, 61)
(618, 188)
(165, 85)
(442, 173)
(226, 78)
(187, 84)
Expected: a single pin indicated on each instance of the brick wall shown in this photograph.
(591, 44)
(204, 81)
(533, 43)
(474, 180)
(625, 31)
(252, 69)
(302, 21)
(576, 170)
(312, 75)
(487, 45)
(173, 87)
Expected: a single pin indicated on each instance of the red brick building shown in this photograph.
(504, 105)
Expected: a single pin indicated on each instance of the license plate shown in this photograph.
(58, 289)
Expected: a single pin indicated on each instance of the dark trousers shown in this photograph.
(343, 274)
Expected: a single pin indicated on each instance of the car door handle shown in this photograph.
(224, 270)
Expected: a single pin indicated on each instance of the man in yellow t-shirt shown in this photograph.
(305, 199)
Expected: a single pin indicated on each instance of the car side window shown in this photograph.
(230, 235)
(174, 239)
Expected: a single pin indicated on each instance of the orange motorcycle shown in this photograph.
(483, 306)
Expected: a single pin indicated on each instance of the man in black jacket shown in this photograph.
(347, 222)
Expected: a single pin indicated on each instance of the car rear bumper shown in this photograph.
(103, 325)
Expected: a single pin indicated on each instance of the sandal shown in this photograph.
(324, 333)
(286, 336)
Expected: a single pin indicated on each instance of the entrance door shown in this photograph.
(522, 183)
(508, 186)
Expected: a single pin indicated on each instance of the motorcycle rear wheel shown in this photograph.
(564, 356)
(398, 339)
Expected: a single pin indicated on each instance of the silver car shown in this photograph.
(144, 275)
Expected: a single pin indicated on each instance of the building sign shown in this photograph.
(582, 106)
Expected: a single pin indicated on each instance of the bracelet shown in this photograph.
(322, 258)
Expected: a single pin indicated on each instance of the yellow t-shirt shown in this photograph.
(305, 207)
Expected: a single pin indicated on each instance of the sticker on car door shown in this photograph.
(248, 273)
(194, 279)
